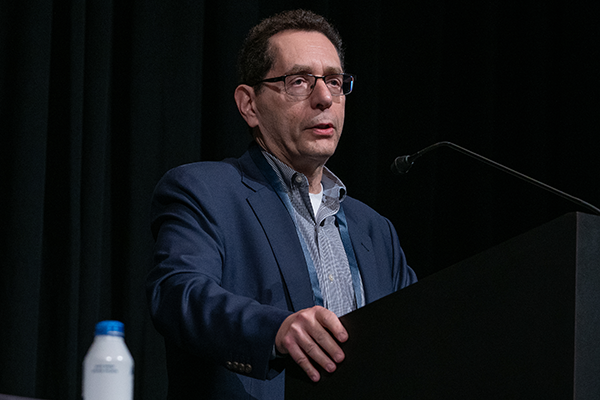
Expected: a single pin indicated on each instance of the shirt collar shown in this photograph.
(332, 185)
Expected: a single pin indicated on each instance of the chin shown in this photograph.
(324, 149)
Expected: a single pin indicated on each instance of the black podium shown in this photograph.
(518, 321)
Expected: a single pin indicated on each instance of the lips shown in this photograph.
(323, 128)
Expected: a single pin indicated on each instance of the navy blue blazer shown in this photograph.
(229, 268)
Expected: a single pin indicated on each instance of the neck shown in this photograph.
(314, 181)
(312, 169)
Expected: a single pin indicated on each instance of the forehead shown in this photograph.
(300, 51)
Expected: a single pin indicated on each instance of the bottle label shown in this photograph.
(104, 369)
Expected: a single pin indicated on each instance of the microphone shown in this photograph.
(402, 164)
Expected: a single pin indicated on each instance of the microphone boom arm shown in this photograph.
(402, 164)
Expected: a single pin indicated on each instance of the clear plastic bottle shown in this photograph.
(108, 365)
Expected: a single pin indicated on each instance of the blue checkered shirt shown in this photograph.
(321, 234)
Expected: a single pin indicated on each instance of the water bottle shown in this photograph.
(108, 365)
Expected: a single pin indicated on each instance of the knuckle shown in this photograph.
(302, 360)
(301, 318)
(288, 342)
(310, 349)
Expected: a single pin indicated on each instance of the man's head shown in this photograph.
(302, 131)
(257, 55)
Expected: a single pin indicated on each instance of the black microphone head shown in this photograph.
(401, 165)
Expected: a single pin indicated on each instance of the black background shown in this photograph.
(99, 98)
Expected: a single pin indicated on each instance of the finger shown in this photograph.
(303, 361)
(322, 348)
(307, 340)
(316, 349)
(332, 323)
(329, 322)
(307, 337)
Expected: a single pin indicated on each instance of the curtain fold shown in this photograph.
(23, 147)
(91, 118)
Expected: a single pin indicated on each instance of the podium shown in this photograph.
(518, 321)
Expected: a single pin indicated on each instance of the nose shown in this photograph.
(321, 97)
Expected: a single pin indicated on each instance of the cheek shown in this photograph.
(268, 120)
(275, 114)
(341, 116)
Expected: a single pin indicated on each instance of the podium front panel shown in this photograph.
(518, 321)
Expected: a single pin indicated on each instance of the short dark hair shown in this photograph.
(257, 57)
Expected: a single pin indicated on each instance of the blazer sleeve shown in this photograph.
(188, 303)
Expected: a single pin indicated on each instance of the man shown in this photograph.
(257, 257)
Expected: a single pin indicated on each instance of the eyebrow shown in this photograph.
(305, 69)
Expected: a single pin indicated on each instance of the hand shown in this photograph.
(309, 335)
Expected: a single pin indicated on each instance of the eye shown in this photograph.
(297, 81)
(335, 80)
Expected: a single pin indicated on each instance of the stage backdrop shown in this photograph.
(99, 98)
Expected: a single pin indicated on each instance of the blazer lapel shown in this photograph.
(373, 282)
(281, 233)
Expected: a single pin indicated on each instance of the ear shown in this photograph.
(245, 100)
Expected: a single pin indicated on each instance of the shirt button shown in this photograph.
(331, 277)
(298, 179)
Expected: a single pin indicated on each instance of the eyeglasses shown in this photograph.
(302, 85)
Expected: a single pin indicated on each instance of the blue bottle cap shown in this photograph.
(112, 328)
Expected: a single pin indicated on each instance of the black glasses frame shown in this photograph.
(283, 77)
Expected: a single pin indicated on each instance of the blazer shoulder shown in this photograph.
(203, 171)
(230, 178)
(229, 170)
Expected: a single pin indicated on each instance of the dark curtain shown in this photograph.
(99, 98)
